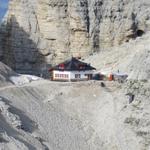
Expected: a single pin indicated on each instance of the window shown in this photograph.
(56, 75)
(81, 66)
(89, 76)
(61, 75)
(66, 76)
(61, 66)
(77, 76)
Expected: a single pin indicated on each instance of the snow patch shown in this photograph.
(22, 79)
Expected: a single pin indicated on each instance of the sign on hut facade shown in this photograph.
(72, 70)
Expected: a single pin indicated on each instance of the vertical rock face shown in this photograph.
(48, 31)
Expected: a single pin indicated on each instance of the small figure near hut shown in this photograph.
(131, 97)
(102, 84)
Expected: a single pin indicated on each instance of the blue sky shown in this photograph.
(3, 8)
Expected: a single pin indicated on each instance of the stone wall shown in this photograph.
(49, 31)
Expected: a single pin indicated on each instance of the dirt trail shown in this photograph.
(7, 87)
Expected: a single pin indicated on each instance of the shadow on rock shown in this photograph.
(28, 125)
(18, 49)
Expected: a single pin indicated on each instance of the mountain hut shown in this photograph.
(72, 70)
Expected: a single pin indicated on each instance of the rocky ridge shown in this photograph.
(131, 58)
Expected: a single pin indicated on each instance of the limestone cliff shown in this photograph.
(48, 31)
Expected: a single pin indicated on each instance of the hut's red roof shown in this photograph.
(73, 64)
